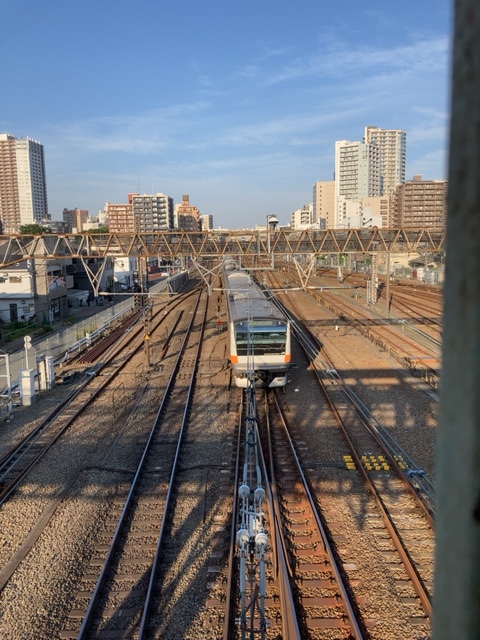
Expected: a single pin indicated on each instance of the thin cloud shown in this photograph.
(275, 131)
(136, 134)
(337, 60)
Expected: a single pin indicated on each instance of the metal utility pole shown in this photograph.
(147, 314)
(272, 222)
(372, 284)
(387, 290)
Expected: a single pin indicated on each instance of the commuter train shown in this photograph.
(259, 333)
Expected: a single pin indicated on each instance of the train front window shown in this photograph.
(262, 338)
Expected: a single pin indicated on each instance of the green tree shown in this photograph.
(103, 229)
(34, 229)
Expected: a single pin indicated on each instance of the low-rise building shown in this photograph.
(34, 290)
(187, 216)
(17, 293)
(422, 203)
(206, 221)
(303, 218)
(75, 218)
(120, 217)
(45, 291)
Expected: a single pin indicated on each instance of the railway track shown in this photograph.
(197, 591)
(113, 478)
(324, 603)
(420, 356)
(283, 580)
(419, 306)
(41, 441)
(21, 459)
(404, 512)
(88, 385)
(404, 496)
(122, 604)
(334, 386)
(414, 305)
(99, 349)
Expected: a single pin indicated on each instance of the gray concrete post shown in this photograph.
(457, 579)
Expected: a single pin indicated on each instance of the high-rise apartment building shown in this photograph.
(152, 212)
(357, 176)
(357, 170)
(324, 204)
(23, 187)
(393, 150)
(422, 203)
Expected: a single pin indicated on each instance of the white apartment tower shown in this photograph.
(357, 176)
(23, 187)
(357, 170)
(393, 150)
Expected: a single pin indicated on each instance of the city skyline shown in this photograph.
(240, 107)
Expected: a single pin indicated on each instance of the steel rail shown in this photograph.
(31, 440)
(161, 535)
(283, 568)
(414, 477)
(355, 629)
(227, 623)
(110, 556)
(420, 589)
(409, 565)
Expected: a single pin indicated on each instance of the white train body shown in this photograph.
(259, 334)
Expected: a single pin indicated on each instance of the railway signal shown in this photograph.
(139, 300)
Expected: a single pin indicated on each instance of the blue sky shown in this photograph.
(238, 105)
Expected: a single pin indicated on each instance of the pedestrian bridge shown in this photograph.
(171, 245)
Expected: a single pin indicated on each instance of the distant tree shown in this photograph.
(34, 229)
(103, 229)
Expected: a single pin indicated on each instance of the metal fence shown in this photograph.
(63, 342)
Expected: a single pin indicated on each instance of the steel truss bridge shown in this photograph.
(216, 244)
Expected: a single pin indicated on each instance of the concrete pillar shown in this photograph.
(26, 380)
(457, 578)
